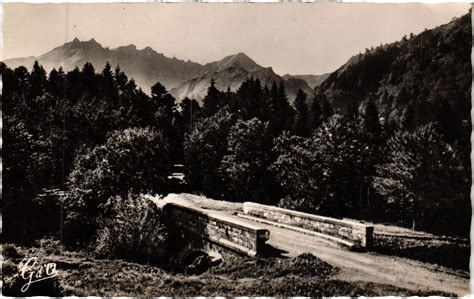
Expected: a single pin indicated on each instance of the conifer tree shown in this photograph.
(213, 100)
(89, 79)
(301, 123)
(108, 88)
(121, 79)
(316, 115)
(56, 83)
(369, 120)
(407, 119)
(38, 80)
(447, 122)
(190, 110)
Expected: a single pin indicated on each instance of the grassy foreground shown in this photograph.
(81, 275)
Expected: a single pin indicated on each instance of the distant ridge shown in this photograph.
(146, 67)
(230, 72)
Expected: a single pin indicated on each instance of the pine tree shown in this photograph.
(447, 122)
(121, 79)
(23, 77)
(108, 88)
(158, 91)
(407, 119)
(369, 120)
(189, 113)
(74, 85)
(89, 79)
(316, 115)
(166, 117)
(301, 123)
(56, 83)
(38, 80)
(326, 109)
(213, 100)
(282, 114)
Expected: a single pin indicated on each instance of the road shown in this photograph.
(355, 266)
(370, 267)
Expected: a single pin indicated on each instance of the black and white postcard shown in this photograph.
(236, 149)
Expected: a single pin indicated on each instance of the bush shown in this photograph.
(51, 246)
(135, 232)
(134, 160)
(10, 251)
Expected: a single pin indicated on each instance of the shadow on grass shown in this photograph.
(449, 254)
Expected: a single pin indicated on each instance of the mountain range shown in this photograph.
(419, 71)
(146, 67)
(312, 80)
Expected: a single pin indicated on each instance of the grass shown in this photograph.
(81, 275)
(447, 253)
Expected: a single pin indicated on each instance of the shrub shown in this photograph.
(134, 232)
(10, 251)
(51, 246)
(135, 160)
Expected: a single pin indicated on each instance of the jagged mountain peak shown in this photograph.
(147, 66)
(237, 60)
(77, 44)
(230, 72)
(130, 47)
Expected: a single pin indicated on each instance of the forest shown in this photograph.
(96, 141)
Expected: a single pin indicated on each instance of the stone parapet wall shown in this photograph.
(358, 234)
(225, 230)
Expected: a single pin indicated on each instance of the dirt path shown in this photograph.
(355, 266)
(370, 267)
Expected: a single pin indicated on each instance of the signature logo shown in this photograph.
(33, 272)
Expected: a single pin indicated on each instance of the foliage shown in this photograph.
(423, 180)
(190, 111)
(244, 168)
(135, 230)
(134, 160)
(302, 118)
(426, 72)
(213, 101)
(95, 135)
(18, 178)
(205, 147)
(324, 173)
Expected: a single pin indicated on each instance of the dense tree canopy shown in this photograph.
(97, 136)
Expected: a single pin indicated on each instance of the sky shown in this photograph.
(295, 38)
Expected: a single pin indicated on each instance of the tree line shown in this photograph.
(103, 140)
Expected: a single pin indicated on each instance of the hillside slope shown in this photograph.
(422, 71)
(312, 80)
(230, 72)
(145, 66)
